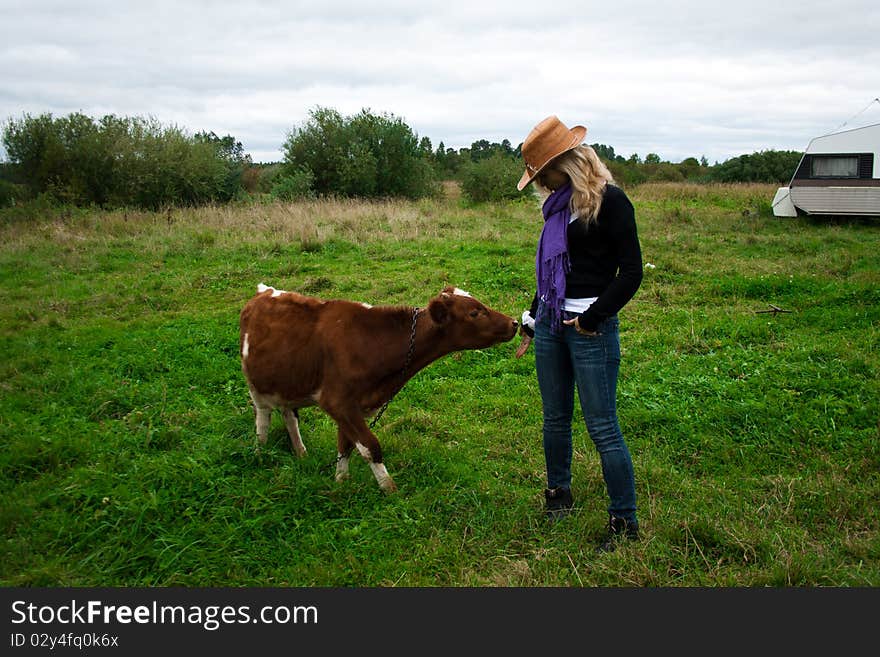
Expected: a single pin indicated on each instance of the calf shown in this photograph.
(350, 359)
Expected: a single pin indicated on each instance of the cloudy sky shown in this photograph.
(678, 78)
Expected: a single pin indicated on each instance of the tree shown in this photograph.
(425, 146)
(230, 151)
(763, 166)
(362, 155)
(484, 149)
(481, 150)
(690, 168)
(117, 161)
(606, 152)
(492, 179)
(318, 146)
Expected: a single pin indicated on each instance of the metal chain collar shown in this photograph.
(406, 364)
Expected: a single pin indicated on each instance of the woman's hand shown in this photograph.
(527, 331)
(523, 345)
(577, 327)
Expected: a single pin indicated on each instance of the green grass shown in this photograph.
(129, 448)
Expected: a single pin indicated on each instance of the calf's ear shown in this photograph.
(438, 310)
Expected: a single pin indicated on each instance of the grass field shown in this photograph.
(128, 445)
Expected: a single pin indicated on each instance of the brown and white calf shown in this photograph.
(349, 358)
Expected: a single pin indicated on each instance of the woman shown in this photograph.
(588, 266)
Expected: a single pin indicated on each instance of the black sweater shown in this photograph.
(605, 258)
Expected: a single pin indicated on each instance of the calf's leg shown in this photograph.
(368, 447)
(291, 420)
(343, 452)
(263, 414)
(354, 430)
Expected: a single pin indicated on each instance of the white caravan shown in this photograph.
(839, 174)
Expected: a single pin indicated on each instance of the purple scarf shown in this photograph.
(551, 261)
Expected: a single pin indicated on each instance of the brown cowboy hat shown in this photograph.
(547, 140)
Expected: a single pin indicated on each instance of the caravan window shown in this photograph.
(835, 166)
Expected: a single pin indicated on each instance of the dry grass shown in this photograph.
(241, 223)
(730, 192)
(307, 223)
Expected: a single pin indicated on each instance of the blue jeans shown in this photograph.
(567, 359)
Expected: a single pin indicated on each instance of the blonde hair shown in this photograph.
(588, 175)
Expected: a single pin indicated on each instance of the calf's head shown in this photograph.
(468, 323)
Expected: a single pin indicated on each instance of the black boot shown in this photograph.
(618, 529)
(558, 503)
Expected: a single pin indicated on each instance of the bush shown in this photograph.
(664, 172)
(235, 161)
(266, 175)
(364, 155)
(293, 186)
(492, 179)
(29, 208)
(763, 166)
(10, 193)
(118, 161)
(250, 179)
(627, 174)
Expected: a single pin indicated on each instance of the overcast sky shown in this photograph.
(678, 78)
